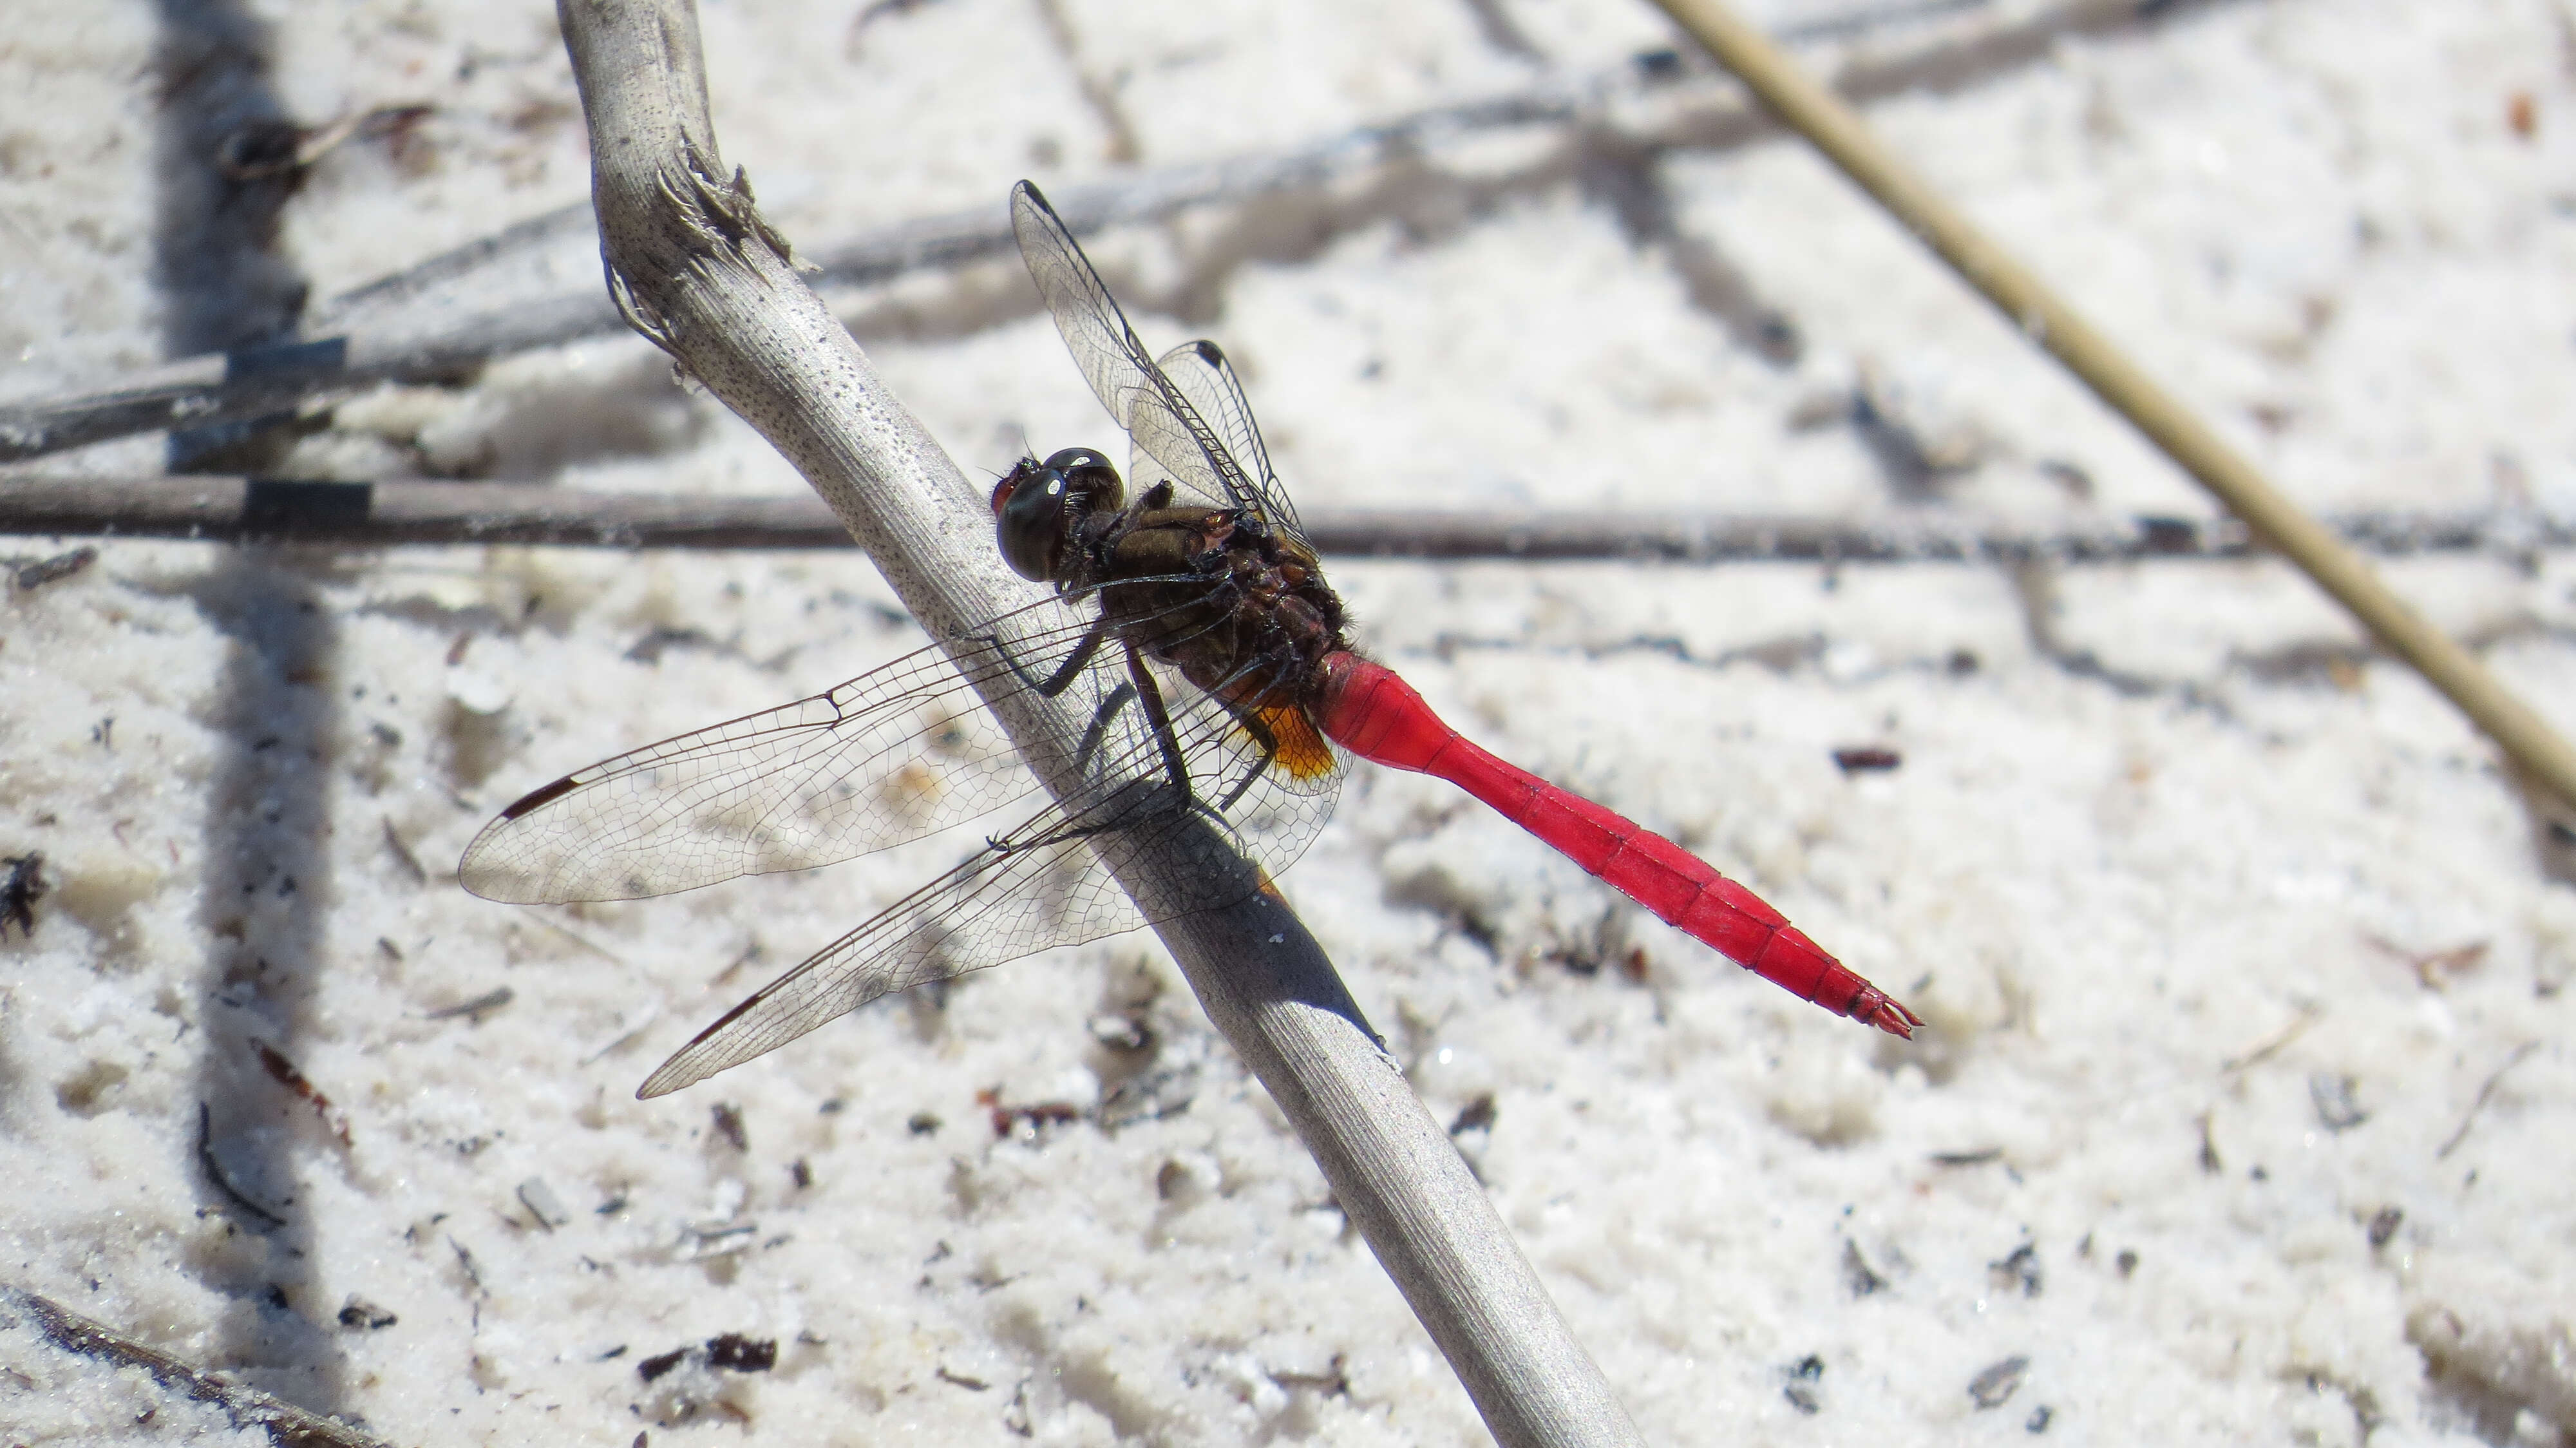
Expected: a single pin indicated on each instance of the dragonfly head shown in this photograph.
(1039, 507)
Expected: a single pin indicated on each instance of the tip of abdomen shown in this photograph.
(1875, 1007)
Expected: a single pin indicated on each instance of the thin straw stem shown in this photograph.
(1835, 129)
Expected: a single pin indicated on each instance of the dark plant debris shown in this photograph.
(2019, 1269)
(359, 1315)
(1476, 1115)
(490, 1000)
(215, 1170)
(736, 1353)
(1856, 1271)
(1995, 1386)
(29, 576)
(1031, 1117)
(2337, 1111)
(1801, 1374)
(727, 1118)
(20, 888)
(2384, 1224)
(283, 1072)
(730, 1352)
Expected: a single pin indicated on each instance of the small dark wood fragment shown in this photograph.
(727, 1119)
(490, 1000)
(21, 886)
(730, 1352)
(30, 576)
(1856, 1271)
(2020, 1269)
(283, 1072)
(1866, 758)
(1995, 1386)
(1476, 1115)
(359, 1315)
(1802, 1373)
(1008, 1118)
(736, 1353)
(2332, 1096)
(215, 1170)
(2383, 1225)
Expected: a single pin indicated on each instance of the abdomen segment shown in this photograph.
(1377, 716)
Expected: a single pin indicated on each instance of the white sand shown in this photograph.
(2169, 918)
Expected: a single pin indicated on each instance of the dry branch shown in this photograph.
(695, 268)
(287, 1426)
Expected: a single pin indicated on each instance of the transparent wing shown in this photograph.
(1200, 372)
(1020, 900)
(895, 754)
(1164, 422)
(1257, 792)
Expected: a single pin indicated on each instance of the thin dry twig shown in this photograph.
(384, 514)
(1837, 131)
(2485, 1092)
(287, 1426)
(2264, 1050)
(222, 1179)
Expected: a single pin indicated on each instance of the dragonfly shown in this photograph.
(1210, 698)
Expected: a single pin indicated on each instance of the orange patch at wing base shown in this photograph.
(1302, 751)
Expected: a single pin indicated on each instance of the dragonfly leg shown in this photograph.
(1151, 696)
(1101, 719)
(1066, 672)
(1177, 797)
(1268, 739)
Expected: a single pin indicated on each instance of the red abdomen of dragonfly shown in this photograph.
(1367, 710)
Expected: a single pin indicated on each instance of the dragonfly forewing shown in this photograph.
(894, 755)
(1112, 358)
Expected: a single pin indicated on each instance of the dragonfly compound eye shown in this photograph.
(1038, 508)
